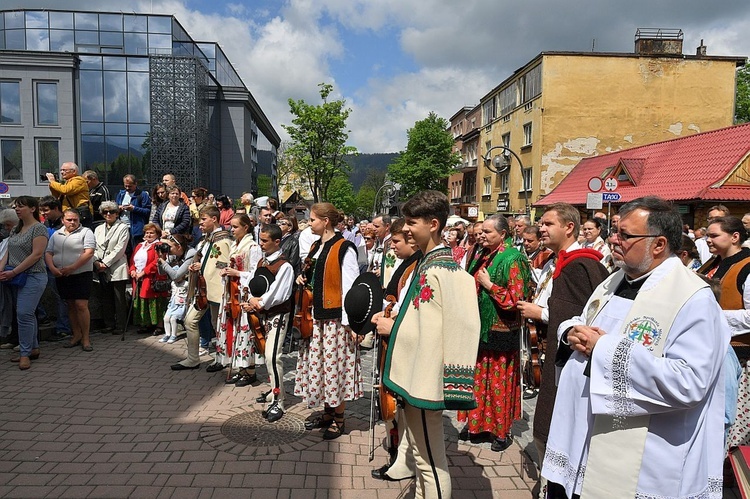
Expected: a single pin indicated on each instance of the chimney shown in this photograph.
(701, 50)
(658, 41)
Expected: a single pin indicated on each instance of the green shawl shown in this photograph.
(499, 271)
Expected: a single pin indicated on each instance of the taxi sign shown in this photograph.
(611, 197)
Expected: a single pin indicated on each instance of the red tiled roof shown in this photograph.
(677, 169)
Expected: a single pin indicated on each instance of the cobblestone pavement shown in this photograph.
(117, 422)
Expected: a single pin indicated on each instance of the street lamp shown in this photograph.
(390, 188)
(496, 165)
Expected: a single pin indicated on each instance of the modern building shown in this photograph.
(694, 172)
(562, 107)
(125, 93)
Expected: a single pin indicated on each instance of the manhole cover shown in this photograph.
(250, 428)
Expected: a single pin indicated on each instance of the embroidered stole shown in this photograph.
(617, 443)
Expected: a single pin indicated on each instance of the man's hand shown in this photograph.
(583, 338)
(383, 324)
(194, 267)
(51, 177)
(529, 310)
(301, 279)
(253, 305)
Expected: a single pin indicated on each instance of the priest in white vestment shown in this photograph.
(643, 393)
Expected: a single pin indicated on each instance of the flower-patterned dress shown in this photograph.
(235, 334)
(497, 383)
(328, 366)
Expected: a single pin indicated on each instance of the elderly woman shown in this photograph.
(111, 267)
(69, 258)
(23, 261)
(503, 278)
(592, 235)
(173, 216)
(150, 303)
(8, 220)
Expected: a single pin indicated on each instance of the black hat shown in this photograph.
(261, 281)
(364, 299)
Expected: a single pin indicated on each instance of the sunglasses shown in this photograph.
(109, 212)
(283, 223)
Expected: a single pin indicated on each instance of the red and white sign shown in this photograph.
(595, 184)
(611, 184)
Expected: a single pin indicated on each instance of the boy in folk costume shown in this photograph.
(433, 344)
(274, 307)
(214, 251)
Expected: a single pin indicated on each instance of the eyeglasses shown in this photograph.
(63, 170)
(282, 223)
(624, 236)
(109, 212)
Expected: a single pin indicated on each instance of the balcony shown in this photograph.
(469, 198)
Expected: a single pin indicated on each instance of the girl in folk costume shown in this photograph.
(234, 345)
(503, 278)
(150, 304)
(328, 367)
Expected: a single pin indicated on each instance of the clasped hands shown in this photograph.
(383, 324)
(583, 338)
(251, 306)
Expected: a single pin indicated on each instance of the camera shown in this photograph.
(163, 248)
(43, 177)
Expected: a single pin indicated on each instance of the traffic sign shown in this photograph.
(611, 184)
(595, 184)
(594, 201)
(611, 197)
(4, 188)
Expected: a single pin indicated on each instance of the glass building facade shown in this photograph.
(113, 91)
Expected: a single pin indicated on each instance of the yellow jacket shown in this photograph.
(73, 193)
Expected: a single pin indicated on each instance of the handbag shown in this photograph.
(19, 280)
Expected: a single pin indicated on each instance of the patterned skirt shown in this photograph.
(328, 366)
(234, 340)
(149, 311)
(497, 390)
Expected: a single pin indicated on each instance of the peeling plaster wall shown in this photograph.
(563, 158)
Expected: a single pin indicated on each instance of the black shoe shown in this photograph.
(214, 368)
(180, 367)
(500, 444)
(530, 393)
(274, 413)
(263, 397)
(246, 380)
(480, 438)
(58, 336)
(463, 435)
(319, 422)
(234, 379)
(380, 474)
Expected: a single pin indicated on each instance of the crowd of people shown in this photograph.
(650, 412)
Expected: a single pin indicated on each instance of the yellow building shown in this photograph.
(562, 107)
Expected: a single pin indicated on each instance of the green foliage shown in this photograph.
(264, 185)
(318, 141)
(364, 202)
(341, 194)
(428, 160)
(742, 104)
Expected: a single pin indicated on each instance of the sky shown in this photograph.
(395, 61)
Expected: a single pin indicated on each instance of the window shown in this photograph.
(12, 160)
(526, 179)
(508, 100)
(502, 182)
(46, 103)
(532, 83)
(10, 103)
(487, 191)
(488, 111)
(527, 134)
(506, 139)
(48, 156)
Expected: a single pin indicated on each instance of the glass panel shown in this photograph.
(160, 24)
(10, 103)
(37, 20)
(112, 22)
(136, 43)
(87, 49)
(37, 39)
(135, 23)
(61, 40)
(115, 129)
(115, 108)
(110, 50)
(2, 38)
(87, 37)
(160, 42)
(2, 23)
(46, 103)
(92, 153)
(141, 130)
(63, 20)
(137, 63)
(48, 155)
(12, 160)
(116, 63)
(91, 62)
(110, 38)
(86, 21)
(136, 146)
(92, 96)
(92, 128)
(138, 98)
(117, 151)
(15, 39)
(13, 20)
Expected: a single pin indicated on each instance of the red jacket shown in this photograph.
(151, 273)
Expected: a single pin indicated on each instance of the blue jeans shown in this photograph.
(27, 299)
(206, 328)
(62, 325)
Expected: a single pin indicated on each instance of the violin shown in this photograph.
(197, 286)
(534, 370)
(256, 326)
(232, 287)
(303, 298)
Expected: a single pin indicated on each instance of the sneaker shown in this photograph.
(171, 339)
(7, 346)
(165, 338)
(59, 336)
(202, 351)
(17, 348)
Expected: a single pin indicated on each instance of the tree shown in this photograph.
(742, 105)
(318, 141)
(364, 202)
(341, 194)
(428, 159)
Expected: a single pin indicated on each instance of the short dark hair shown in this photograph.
(662, 219)
(427, 205)
(50, 202)
(719, 207)
(532, 229)
(397, 226)
(385, 217)
(199, 192)
(689, 246)
(211, 211)
(730, 225)
(272, 230)
(566, 213)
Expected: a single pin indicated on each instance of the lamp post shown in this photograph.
(496, 165)
(390, 188)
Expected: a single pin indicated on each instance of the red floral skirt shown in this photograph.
(497, 391)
